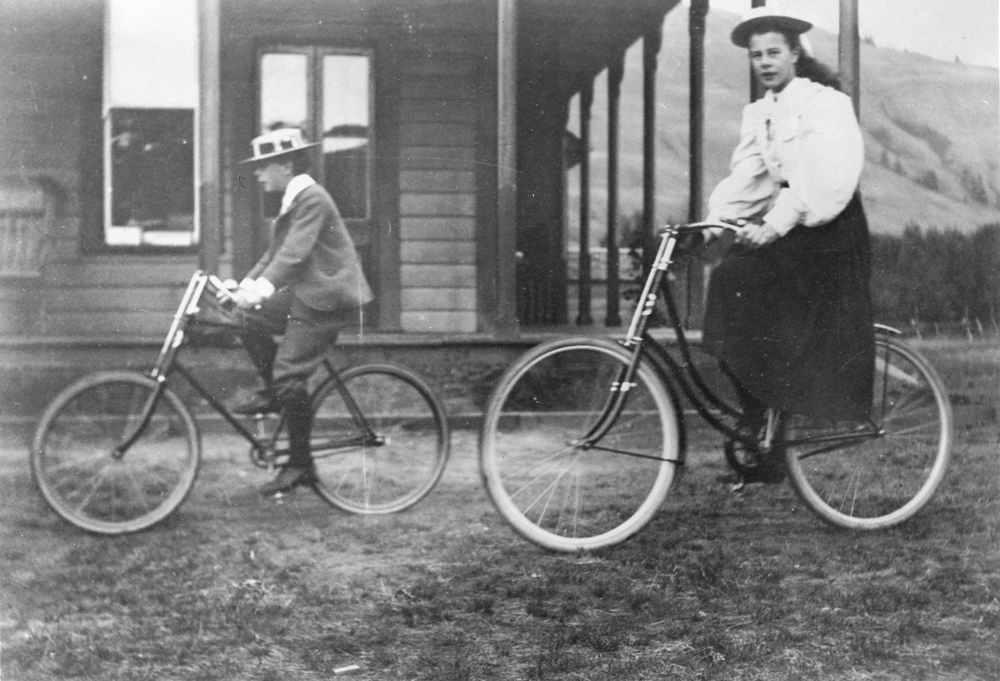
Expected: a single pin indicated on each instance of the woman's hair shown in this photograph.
(808, 66)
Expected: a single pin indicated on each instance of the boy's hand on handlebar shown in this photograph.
(252, 292)
(245, 298)
(227, 290)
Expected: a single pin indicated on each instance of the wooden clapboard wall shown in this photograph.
(437, 56)
(438, 180)
(429, 144)
(50, 122)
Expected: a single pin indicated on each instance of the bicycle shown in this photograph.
(582, 438)
(119, 451)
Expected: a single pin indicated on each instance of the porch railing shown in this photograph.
(689, 283)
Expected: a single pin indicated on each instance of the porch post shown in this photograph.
(850, 52)
(616, 70)
(650, 49)
(696, 33)
(755, 89)
(696, 102)
(209, 134)
(506, 241)
(584, 317)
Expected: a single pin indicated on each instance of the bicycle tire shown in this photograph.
(75, 467)
(878, 482)
(550, 488)
(402, 410)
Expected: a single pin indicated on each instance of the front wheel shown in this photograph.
(873, 475)
(380, 439)
(574, 457)
(115, 452)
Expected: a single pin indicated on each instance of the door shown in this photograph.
(328, 93)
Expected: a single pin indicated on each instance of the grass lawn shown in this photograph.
(718, 586)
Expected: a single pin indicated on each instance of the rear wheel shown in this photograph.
(874, 475)
(381, 446)
(89, 476)
(551, 472)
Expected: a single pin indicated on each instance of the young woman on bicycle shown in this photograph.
(306, 286)
(788, 313)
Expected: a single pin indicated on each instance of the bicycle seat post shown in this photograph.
(260, 426)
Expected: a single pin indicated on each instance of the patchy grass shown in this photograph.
(719, 586)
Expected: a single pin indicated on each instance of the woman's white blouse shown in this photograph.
(798, 162)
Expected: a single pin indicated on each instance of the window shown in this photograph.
(150, 110)
(346, 131)
(328, 94)
(151, 177)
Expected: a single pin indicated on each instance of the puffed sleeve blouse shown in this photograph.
(798, 162)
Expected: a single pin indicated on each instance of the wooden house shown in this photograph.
(443, 131)
(442, 126)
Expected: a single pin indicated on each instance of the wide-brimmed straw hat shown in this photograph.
(276, 143)
(761, 19)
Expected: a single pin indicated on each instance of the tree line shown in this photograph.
(921, 278)
(937, 277)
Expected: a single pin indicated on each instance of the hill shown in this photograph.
(931, 128)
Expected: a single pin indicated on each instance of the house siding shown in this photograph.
(50, 117)
(50, 101)
(437, 202)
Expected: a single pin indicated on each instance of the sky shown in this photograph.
(944, 29)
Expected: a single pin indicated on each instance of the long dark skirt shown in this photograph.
(792, 321)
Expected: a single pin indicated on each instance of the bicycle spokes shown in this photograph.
(876, 474)
(568, 460)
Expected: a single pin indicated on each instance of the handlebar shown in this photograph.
(220, 288)
(693, 227)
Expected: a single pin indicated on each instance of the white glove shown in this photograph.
(252, 292)
(229, 285)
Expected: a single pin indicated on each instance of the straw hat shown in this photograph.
(766, 18)
(276, 143)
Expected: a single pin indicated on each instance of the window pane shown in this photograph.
(347, 132)
(284, 92)
(151, 54)
(152, 177)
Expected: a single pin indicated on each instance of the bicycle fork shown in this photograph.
(619, 390)
(164, 363)
(144, 418)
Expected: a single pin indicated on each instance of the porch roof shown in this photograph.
(588, 35)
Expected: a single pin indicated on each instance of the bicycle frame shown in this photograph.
(706, 403)
(167, 363)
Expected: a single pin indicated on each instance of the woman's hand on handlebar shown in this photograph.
(691, 239)
(751, 234)
(757, 235)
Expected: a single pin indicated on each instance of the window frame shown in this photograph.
(361, 229)
(97, 172)
(107, 181)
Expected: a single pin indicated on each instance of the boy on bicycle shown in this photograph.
(305, 287)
